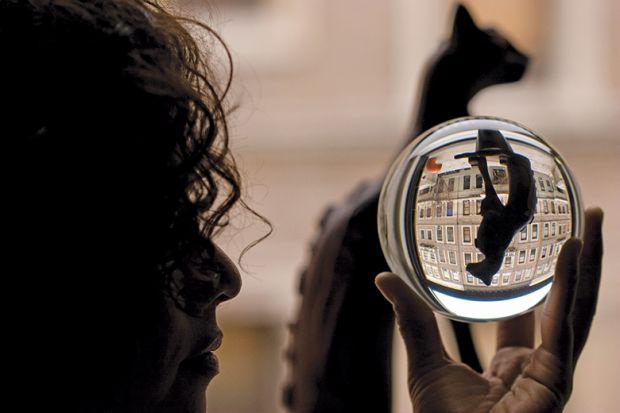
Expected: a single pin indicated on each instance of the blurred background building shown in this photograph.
(326, 89)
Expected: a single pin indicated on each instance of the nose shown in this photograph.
(230, 278)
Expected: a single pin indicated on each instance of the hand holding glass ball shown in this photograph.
(520, 378)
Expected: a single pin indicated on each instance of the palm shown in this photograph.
(468, 390)
(520, 379)
(505, 387)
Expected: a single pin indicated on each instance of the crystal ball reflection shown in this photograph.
(473, 215)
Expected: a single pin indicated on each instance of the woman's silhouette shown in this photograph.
(115, 143)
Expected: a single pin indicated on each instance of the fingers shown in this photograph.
(589, 278)
(556, 323)
(416, 323)
(516, 332)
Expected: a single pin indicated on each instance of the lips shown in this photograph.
(215, 344)
(205, 363)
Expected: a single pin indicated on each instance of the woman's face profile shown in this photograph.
(177, 361)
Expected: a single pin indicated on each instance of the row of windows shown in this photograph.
(549, 206)
(546, 251)
(448, 230)
(442, 256)
(467, 205)
(428, 255)
(448, 207)
(547, 185)
(445, 233)
(550, 229)
(498, 176)
(505, 277)
(447, 185)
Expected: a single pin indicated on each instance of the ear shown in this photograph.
(464, 26)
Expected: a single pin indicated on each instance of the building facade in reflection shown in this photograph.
(447, 220)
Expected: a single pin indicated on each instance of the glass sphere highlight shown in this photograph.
(473, 215)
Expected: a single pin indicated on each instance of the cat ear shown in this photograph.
(464, 26)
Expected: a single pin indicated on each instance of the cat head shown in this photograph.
(484, 55)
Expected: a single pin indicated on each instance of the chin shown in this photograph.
(187, 392)
(187, 395)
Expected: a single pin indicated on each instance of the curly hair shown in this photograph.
(117, 96)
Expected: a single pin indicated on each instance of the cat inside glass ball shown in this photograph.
(473, 215)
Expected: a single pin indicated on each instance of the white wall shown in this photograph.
(344, 72)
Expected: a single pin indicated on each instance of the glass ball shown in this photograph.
(473, 215)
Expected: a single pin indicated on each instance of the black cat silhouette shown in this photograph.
(470, 60)
(340, 354)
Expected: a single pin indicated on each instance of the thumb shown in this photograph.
(416, 323)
